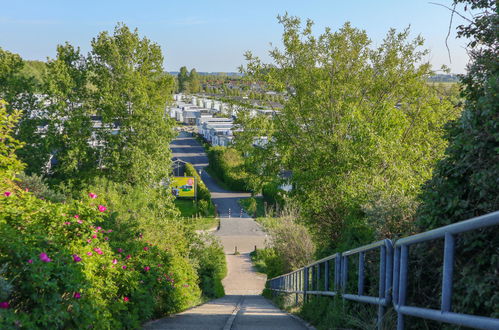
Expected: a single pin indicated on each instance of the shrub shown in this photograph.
(226, 164)
(272, 194)
(38, 186)
(202, 191)
(212, 266)
(70, 265)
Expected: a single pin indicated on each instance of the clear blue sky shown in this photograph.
(213, 35)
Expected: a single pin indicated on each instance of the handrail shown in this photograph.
(400, 275)
(393, 273)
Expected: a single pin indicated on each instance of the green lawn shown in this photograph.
(187, 207)
(189, 212)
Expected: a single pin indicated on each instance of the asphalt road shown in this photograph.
(188, 149)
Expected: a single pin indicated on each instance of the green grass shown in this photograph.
(187, 207)
(205, 223)
(189, 211)
(268, 222)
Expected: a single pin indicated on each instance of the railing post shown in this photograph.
(448, 271)
(337, 272)
(344, 272)
(305, 284)
(360, 280)
(318, 279)
(326, 276)
(382, 283)
(404, 256)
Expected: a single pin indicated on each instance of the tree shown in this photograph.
(17, 90)
(130, 94)
(360, 122)
(69, 116)
(182, 79)
(194, 84)
(9, 164)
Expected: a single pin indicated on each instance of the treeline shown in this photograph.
(377, 152)
(89, 237)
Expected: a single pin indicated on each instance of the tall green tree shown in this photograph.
(17, 89)
(130, 93)
(69, 113)
(194, 83)
(361, 123)
(182, 80)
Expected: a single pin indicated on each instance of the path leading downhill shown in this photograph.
(243, 307)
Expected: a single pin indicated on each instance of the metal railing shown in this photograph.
(315, 278)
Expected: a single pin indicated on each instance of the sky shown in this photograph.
(212, 36)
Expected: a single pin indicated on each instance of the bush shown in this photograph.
(226, 164)
(202, 191)
(272, 194)
(38, 186)
(72, 265)
(212, 266)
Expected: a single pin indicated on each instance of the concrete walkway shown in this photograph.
(243, 307)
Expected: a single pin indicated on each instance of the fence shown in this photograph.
(315, 278)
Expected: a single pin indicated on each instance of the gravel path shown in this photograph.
(243, 307)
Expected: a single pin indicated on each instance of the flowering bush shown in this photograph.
(69, 265)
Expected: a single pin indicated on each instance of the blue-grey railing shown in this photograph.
(315, 278)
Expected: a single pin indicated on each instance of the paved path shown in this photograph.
(242, 307)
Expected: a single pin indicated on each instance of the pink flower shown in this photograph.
(185, 285)
(120, 250)
(126, 299)
(146, 248)
(160, 265)
(94, 236)
(92, 195)
(30, 261)
(67, 223)
(124, 267)
(7, 193)
(140, 235)
(106, 238)
(98, 228)
(110, 231)
(26, 190)
(76, 216)
(44, 257)
(98, 250)
(77, 295)
(4, 305)
(76, 258)
(147, 268)
(102, 208)
(79, 221)
(89, 241)
(128, 257)
(89, 253)
(115, 261)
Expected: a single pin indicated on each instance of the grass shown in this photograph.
(188, 210)
(187, 207)
(268, 222)
(205, 223)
